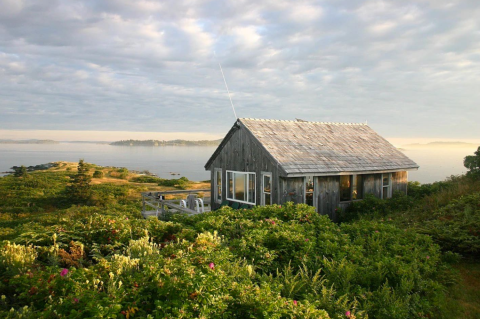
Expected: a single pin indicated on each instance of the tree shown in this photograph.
(20, 171)
(472, 163)
(79, 191)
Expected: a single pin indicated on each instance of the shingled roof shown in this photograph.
(301, 147)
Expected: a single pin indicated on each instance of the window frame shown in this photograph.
(351, 178)
(388, 187)
(247, 190)
(217, 192)
(305, 190)
(262, 199)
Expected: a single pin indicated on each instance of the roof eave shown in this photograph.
(350, 172)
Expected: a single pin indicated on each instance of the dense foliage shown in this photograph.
(448, 211)
(472, 163)
(103, 260)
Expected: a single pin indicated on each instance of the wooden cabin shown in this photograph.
(325, 165)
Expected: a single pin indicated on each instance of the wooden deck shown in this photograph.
(155, 204)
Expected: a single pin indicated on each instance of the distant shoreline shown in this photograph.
(149, 143)
(441, 144)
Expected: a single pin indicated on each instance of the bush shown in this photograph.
(373, 207)
(267, 262)
(181, 183)
(146, 179)
(98, 174)
(456, 227)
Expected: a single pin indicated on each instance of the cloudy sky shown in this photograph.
(409, 68)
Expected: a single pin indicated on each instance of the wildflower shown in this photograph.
(75, 300)
(306, 239)
(376, 231)
(64, 272)
(211, 265)
(347, 314)
(295, 302)
(428, 257)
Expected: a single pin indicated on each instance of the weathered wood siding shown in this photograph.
(399, 182)
(372, 184)
(243, 153)
(328, 195)
(292, 190)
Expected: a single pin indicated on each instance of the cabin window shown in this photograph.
(351, 187)
(345, 188)
(266, 188)
(386, 185)
(241, 187)
(309, 190)
(218, 185)
(357, 187)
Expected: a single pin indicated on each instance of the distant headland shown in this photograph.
(440, 144)
(33, 141)
(166, 143)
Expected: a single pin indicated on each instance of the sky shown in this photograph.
(72, 69)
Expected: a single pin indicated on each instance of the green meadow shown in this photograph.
(74, 245)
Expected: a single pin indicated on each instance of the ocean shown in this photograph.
(436, 164)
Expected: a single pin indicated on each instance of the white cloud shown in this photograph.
(408, 67)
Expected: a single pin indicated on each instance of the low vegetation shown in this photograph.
(388, 259)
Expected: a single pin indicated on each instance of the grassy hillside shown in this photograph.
(99, 258)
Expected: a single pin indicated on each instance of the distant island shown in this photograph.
(28, 142)
(441, 145)
(167, 143)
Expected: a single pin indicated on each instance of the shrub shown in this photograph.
(98, 174)
(180, 183)
(16, 258)
(146, 179)
(456, 227)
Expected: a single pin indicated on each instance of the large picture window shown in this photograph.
(266, 188)
(351, 187)
(218, 185)
(241, 187)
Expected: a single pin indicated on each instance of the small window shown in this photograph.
(241, 187)
(357, 187)
(386, 186)
(345, 188)
(266, 188)
(218, 185)
(309, 190)
(351, 187)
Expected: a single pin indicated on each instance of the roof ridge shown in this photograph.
(292, 121)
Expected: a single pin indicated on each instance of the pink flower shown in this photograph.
(64, 272)
(306, 239)
(211, 265)
(295, 302)
(428, 257)
(75, 300)
(347, 314)
(376, 231)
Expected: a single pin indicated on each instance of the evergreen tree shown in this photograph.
(472, 162)
(79, 191)
(20, 171)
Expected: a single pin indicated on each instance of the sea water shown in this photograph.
(436, 164)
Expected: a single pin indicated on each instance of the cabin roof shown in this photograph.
(304, 148)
